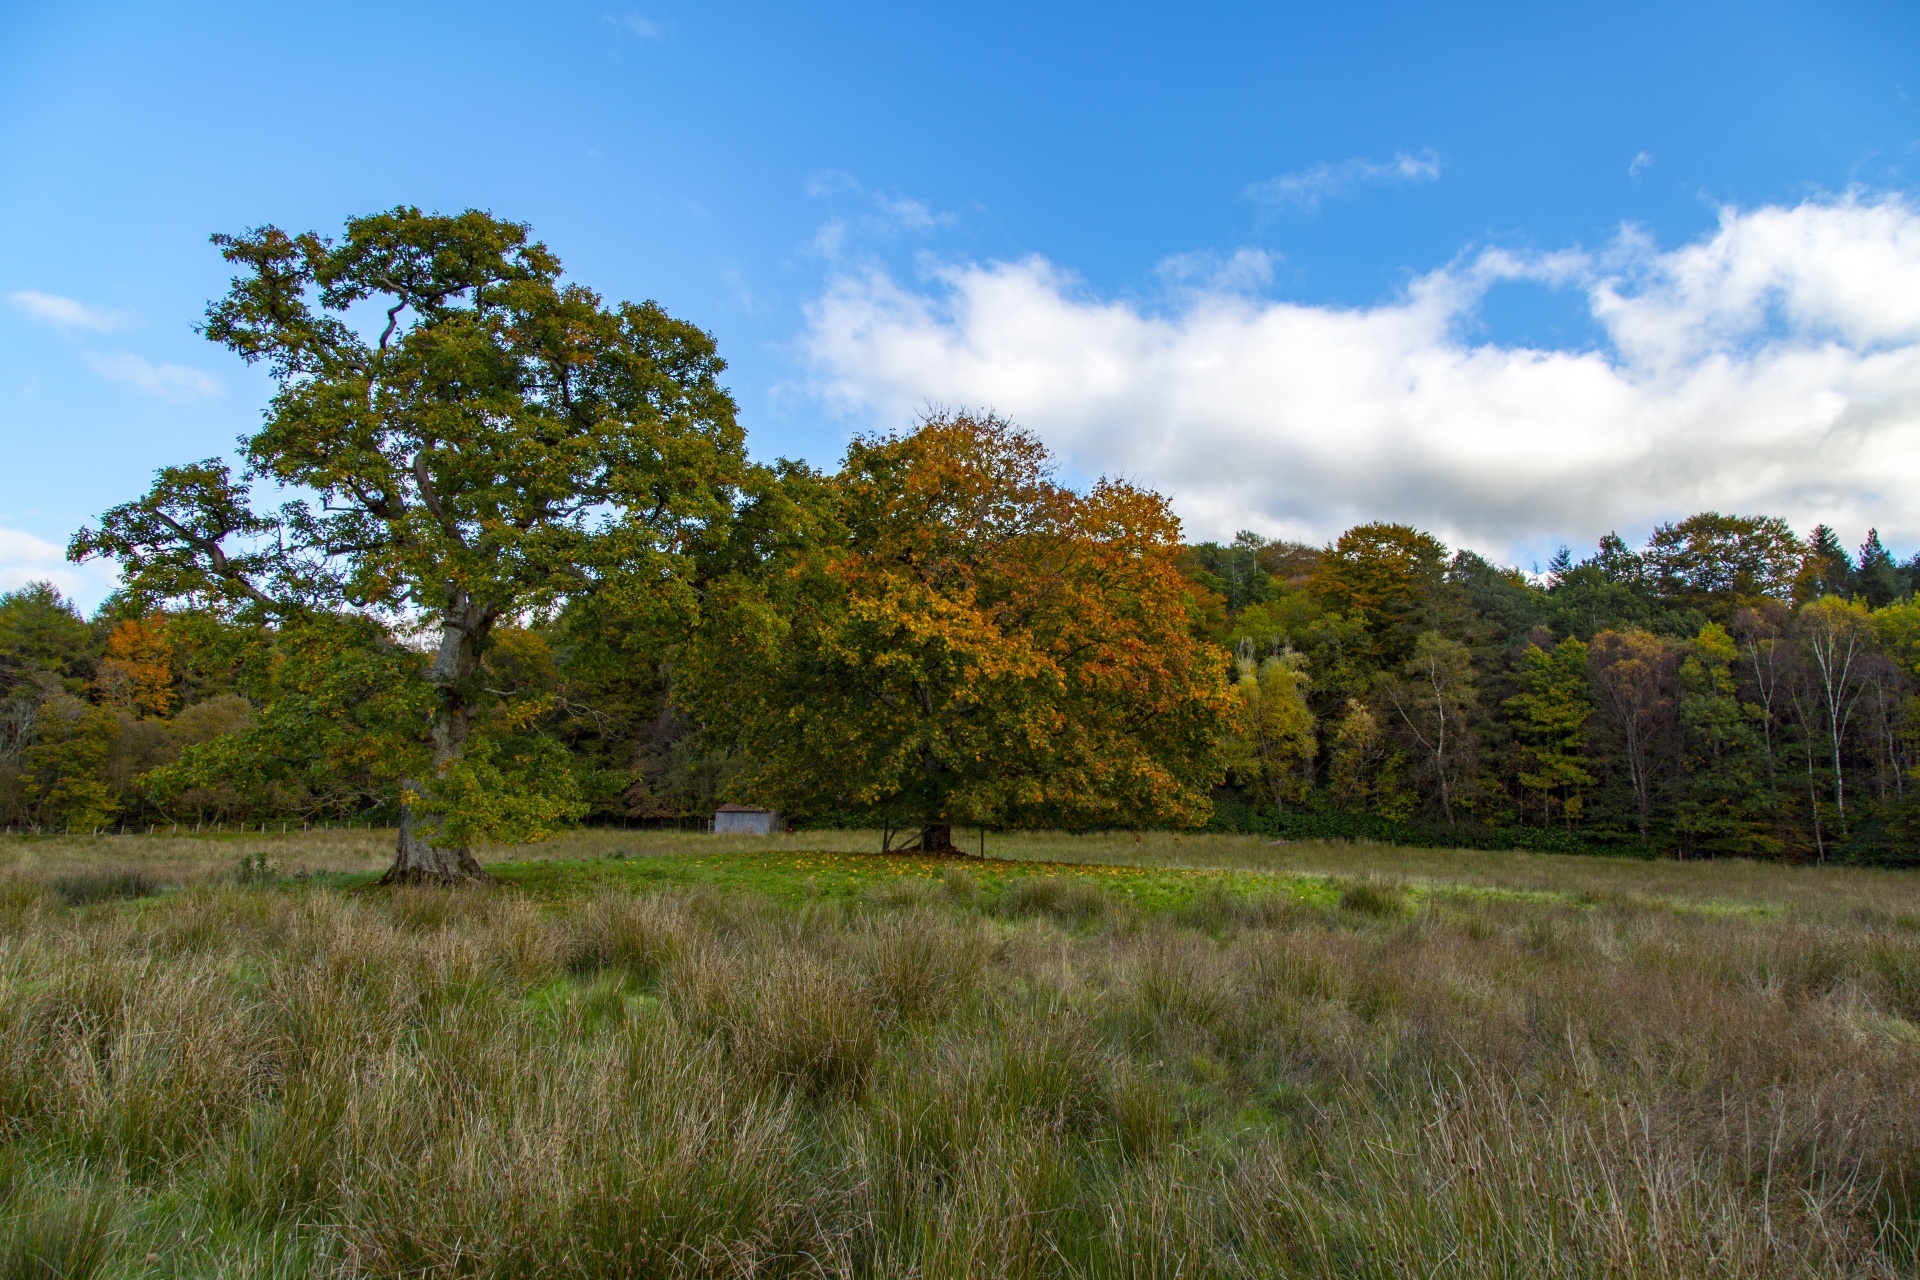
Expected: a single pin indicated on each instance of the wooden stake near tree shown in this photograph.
(497, 444)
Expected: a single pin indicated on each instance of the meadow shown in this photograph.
(668, 1054)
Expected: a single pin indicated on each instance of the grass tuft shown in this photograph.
(1069, 898)
(1371, 896)
(106, 884)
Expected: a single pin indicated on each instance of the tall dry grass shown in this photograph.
(943, 1081)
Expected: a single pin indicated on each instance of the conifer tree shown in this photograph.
(1825, 568)
(1877, 579)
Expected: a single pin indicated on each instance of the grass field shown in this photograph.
(659, 1054)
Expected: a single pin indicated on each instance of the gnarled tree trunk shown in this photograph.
(419, 859)
(422, 857)
(936, 837)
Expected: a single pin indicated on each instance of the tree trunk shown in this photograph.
(937, 837)
(418, 860)
(419, 857)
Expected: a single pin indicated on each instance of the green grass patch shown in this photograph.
(800, 876)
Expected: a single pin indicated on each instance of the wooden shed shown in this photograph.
(745, 820)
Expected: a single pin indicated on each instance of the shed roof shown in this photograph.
(740, 808)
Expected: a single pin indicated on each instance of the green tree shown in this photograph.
(41, 631)
(1273, 744)
(1825, 567)
(1877, 579)
(1633, 685)
(1718, 563)
(1723, 806)
(64, 766)
(496, 444)
(1434, 699)
(1549, 717)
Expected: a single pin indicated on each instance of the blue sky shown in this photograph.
(1518, 273)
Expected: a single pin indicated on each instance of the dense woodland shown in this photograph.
(523, 574)
(1730, 689)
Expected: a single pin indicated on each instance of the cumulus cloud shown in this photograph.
(65, 312)
(1770, 366)
(1306, 189)
(25, 558)
(168, 381)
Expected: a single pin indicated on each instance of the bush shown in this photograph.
(920, 965)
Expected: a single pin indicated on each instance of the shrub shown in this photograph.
(256, 868)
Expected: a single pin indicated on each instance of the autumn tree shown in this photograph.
(492, 443)
(1363, 768)
(963, 639)
(1388, 574)
(136, 672)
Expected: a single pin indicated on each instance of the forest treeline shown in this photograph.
(1729, 689)
(514, 568)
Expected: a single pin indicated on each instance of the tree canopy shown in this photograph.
(968, 641)
(494, 444)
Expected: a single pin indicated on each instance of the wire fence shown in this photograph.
(283, 827)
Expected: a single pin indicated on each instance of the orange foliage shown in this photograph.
(137, 672)
(975, 643)
(1378, 570)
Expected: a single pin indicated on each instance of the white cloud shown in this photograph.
(1306, 189)
(25, 558)
(65, 312)
(633, 24)
(168, 381)
(1639, 165)
(1771, 366)
(881, 216)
